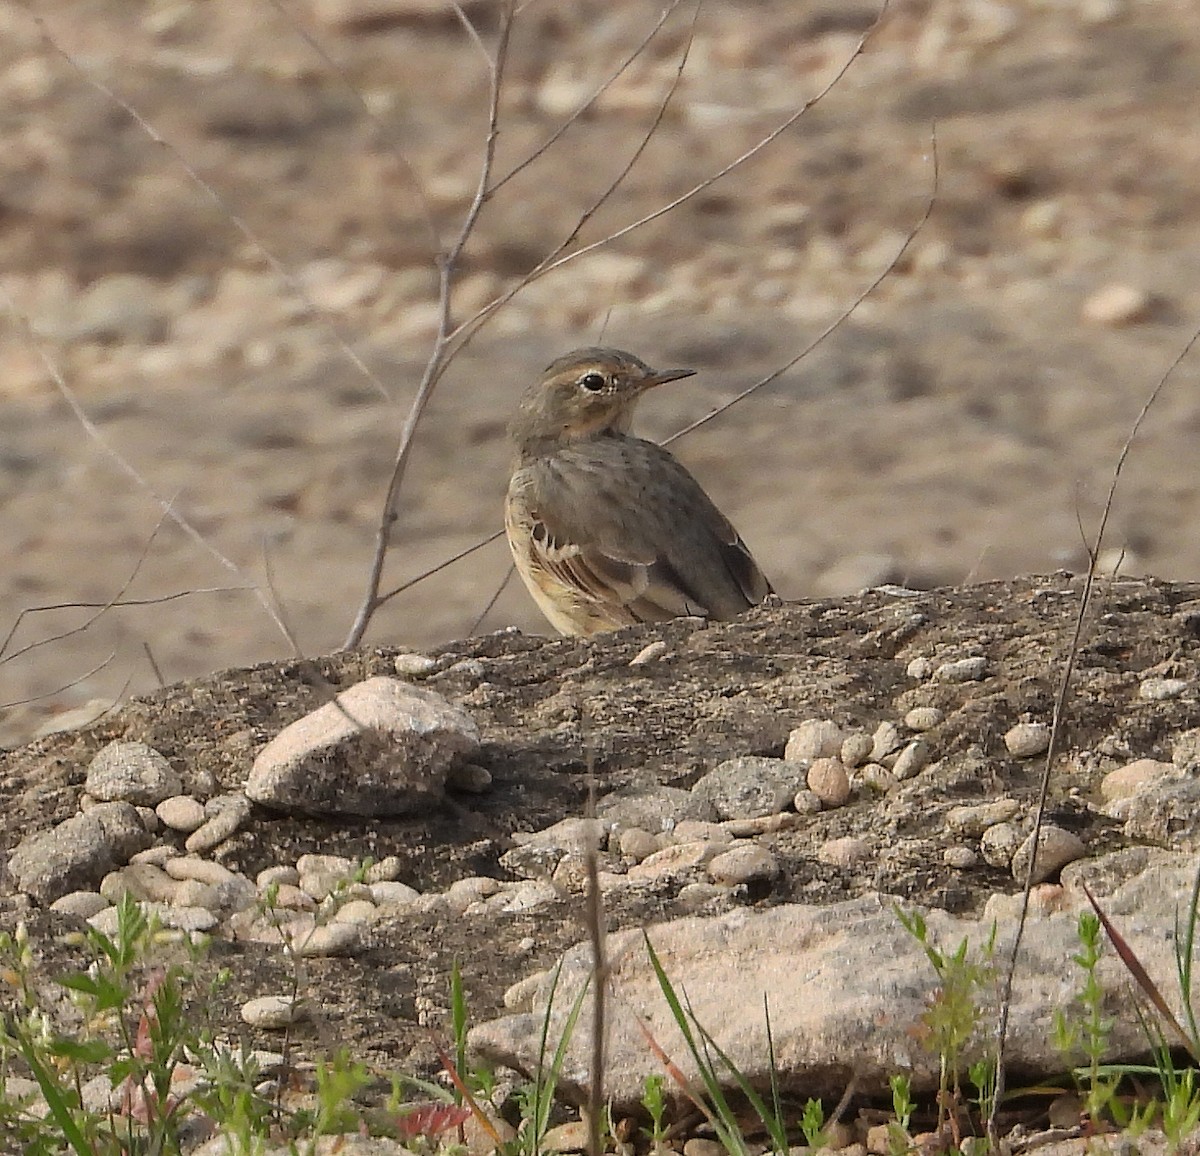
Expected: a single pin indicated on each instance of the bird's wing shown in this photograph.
(625, 524)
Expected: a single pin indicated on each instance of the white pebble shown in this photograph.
(963, 670)
(649, 653)
(912, 760)
(814, 739)
(414, 665)
(1027, 739)
(1117, 305)
(273, 1011)
(960, 858)
(856, 749)
(1159, 689)
(923, 718)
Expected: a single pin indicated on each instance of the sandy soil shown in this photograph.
(959, 426)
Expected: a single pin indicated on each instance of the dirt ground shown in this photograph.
(959, 426)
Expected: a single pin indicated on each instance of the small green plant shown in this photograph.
(655, 1104)
(1088, 1031)
(812, 1124)
(899, 1134)
(950, 1024)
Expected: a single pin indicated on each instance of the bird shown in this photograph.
(608, 530)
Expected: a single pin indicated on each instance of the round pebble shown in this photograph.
(960, 858)
(748, 863)
(877, 777)
(827, 779)
(919, 669)
(1116, 305)
(806, 803)
(1056, 848)
(635, 844)
(331, 939)
(181, 813)
(923, 718)
(1027, 739)
(390, 893)
(999, 844)
(273, 1011)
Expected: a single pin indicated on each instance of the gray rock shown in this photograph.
(750, 787)
(383, 748)
(131, 773)
(1166, 812)
(845, 983)
(79, 852)
(654, 809)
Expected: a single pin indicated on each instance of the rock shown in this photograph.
(848, 851)
(885, 740)
(274, 1012)
(383, 748)
(1166, 812)
(814, 738)
(131, 773)
(856, 749)
(923, 718)
(827, 779)
(1027, 739)
(1132, 777)
(654, 809)
(751, 787)
(744, 864)
(228, 813)
(911, 761)
(962, 670)
(1116, 305)
(845, 983)
(180, 813)
(1056, 848)
(414, 665)
(974, 820)
(1161, 689)
(77, 853)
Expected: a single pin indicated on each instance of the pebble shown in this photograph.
(920, 669)
(814, 739)
(463, 892)
(289, 896)
(202, 870)
(180, 813)
(974, 820)
(999, 844)
(923, 718)
(391, 894)
(877, 777)
(527, 896)
(274, 1011)
(649, 653)
(911, 760)
(962, 670)
(1129, 779)
(281, 874)
(635, 844)
(232, 813)
(131, 773)
(827, 779)
(699, 1146)
(384, 870)
(1056, 848)
(331, 939)
(414, 665)
(806, 803)
(697, 896)
(678, 859)
(743, 864)
(1160, 689)
(885, 740)
(1117, 305)
(359, 911)
(192, 893)
(960, 858)
(691, 830)
(1027, 739)
(856, 749)
(83, 904)
(847, 851)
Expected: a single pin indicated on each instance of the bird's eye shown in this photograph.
(593, 382)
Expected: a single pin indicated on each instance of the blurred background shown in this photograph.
(959, 426)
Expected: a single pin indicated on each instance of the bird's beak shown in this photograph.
(662, 376)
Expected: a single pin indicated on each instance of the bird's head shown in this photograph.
(586, 393)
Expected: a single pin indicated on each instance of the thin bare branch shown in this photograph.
(467, 329)
(601, 89)
(417, 579)
(158, 674)
(406, 166)
(284, 274)
(492, 601)
(123, 463)
(838, 321)
(1060, 710)
(65, 686)
(435, 366)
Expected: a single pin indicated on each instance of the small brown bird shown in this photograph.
(608, 530)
